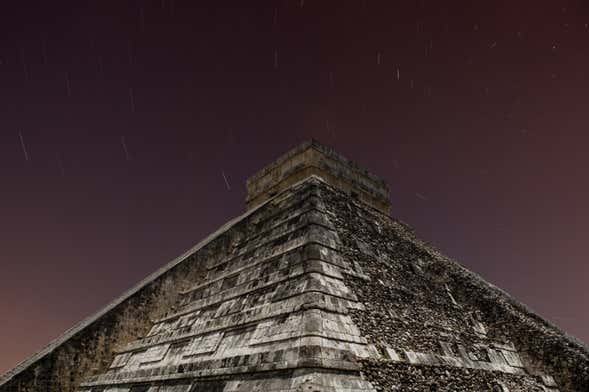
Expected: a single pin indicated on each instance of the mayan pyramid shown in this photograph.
(314, 288)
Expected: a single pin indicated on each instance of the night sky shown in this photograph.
(128, 129)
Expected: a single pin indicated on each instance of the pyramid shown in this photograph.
(315, 288)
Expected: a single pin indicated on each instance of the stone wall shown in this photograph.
(421, 308)
(270, 313)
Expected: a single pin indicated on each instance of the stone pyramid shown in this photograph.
(315, 288)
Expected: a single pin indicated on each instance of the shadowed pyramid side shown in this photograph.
(439, 326)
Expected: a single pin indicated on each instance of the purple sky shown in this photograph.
(130, 115)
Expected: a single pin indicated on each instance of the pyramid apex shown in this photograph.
(312, 158)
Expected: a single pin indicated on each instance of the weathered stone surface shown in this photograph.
(477, 328)
(277, 302)
(311, 158)
(312, 290)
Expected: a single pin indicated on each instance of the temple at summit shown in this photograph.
(314, 288)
